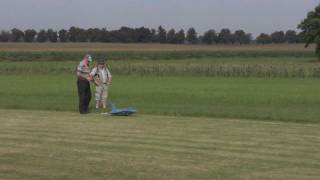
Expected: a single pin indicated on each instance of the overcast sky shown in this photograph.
(253, 16)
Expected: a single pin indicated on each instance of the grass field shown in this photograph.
(283, 99)
(204, 112)
(210, 67)
(63, 145)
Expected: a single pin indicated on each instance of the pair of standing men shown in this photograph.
(102, 78)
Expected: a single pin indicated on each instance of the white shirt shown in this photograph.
(83, 69)
(103, 74)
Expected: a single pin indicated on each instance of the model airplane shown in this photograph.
(122, 112)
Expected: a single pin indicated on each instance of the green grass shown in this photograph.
(43, 52)
(63, 145)
(282, 99)
(213, 67)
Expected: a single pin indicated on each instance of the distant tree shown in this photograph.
(142, 34)
(249, 38)
(82, 36)
(42, 36)
(154, 37)
(63, 35)
(29, 35)
(241, 37)
(310, 27)
(124, 35)
(94, 35)
(301, 38)
(225, 36)
(162, 35)
(73, 33)
(78, 34)
(115, 36)
(263, 39)
(17, 35)
(291, 36)
(52, 35)
(171, 36)
(278, 37)
(181, 37)
(192, 36)
(105, 35)
(209, 37)
(5, 36)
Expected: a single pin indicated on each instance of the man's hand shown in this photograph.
(109, 83)
(97, 82)
(90, 78)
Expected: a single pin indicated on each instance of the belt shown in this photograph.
(81, 78)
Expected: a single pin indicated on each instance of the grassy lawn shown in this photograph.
(284, 99)
(205, 112)
(64, 145)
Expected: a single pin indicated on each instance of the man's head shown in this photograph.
(88, 57)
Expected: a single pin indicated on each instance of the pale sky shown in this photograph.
(254, 16)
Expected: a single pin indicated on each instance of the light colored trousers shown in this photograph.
(102, 93)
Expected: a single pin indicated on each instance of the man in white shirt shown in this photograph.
(83, 84)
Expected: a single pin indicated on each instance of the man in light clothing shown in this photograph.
(102, 78)
(84, 91)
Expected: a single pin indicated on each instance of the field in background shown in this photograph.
(283, 60)
(266, 67)
(278, 82)
(89, 47)
(51, 145)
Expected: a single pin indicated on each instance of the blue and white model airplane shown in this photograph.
(122, 112)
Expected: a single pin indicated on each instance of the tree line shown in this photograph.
(146, 35)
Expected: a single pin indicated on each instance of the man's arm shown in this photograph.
(109, 76)
(83, 72)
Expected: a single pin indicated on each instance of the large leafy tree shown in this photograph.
(17, 35)
(278, 37)
(263, 39)
(162, 35)
(142, 34)
(171, 36)
(52, 35)
(241, 37)
(4, 36)
(225, 36)
(291, 36)
(63, 35)
(29, 35)
(192, 36)
(42, 36)
(209, 37)
(310, 27)
(181, 37)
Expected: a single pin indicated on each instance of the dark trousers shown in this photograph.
(84, 93)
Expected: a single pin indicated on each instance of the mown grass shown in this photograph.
(281, 99)
(63, 145)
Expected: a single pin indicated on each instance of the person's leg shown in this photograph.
(87, 96)
(98, 96)
(104, 96)
(82, 96)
